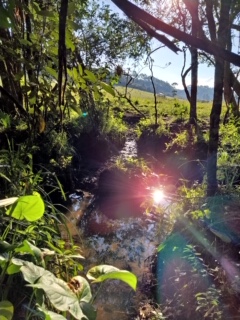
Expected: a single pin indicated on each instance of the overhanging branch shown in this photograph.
(156, 35)
(134, 12)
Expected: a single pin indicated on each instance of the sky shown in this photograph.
(168, 65)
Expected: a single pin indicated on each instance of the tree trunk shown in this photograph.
(230, 100)
(212, 185)
(222, 40)
(192, 7)
(194, 82)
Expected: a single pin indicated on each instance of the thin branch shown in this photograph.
(154, 90)
(155, 50)
(131, 104)
(202, 53)
(184, 74)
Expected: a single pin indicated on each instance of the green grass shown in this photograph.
(168, 107)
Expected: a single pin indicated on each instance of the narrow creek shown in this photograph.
(130, 243)
(125, 243)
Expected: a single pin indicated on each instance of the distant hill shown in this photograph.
(143, 82)
(205, 93)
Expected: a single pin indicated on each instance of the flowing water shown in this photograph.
(130, 148)
(124, 243)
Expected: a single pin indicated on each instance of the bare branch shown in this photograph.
(184, 74)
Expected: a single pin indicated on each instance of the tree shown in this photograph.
(222, 40)
(41, 80)
(174, 91)
(133, 11)
(106, 39)
(217, 48)
(183, 15)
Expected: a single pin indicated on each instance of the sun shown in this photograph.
(158, 196)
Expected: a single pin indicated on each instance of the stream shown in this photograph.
(125, 243)
(130, 243)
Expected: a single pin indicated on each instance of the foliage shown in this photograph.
(192, 201)
(203, 248)
(186, 138)
(104, 272)
(27, 207)
(45, 90)
(180, 111)
(5, 121)
(181, 140)
(228, 157)
(147, 125)
(50, 292)
(209, 303)
(31, 243)
(133, 166)
(43, 86)
(104, 37)
(17, 170)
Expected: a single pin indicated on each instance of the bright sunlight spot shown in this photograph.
(158, 196)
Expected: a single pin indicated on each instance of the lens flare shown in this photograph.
(158, 196)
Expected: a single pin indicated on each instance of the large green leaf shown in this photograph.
(60, 295)
(90, 76)
(3, 259)
(27, 247)
(32, 273)
(75, 26)
(6, 310)
(13, 269)
(107, 88)
(15, 265)
(105, 272)
(81, 288)
(29, 207)
(69, 42)
(52, 72)
(57, 290)
(49, 315)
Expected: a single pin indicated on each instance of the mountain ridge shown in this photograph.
(143, 82)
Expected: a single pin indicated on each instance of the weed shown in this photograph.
(228, 156)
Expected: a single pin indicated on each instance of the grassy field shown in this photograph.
(167, 106)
